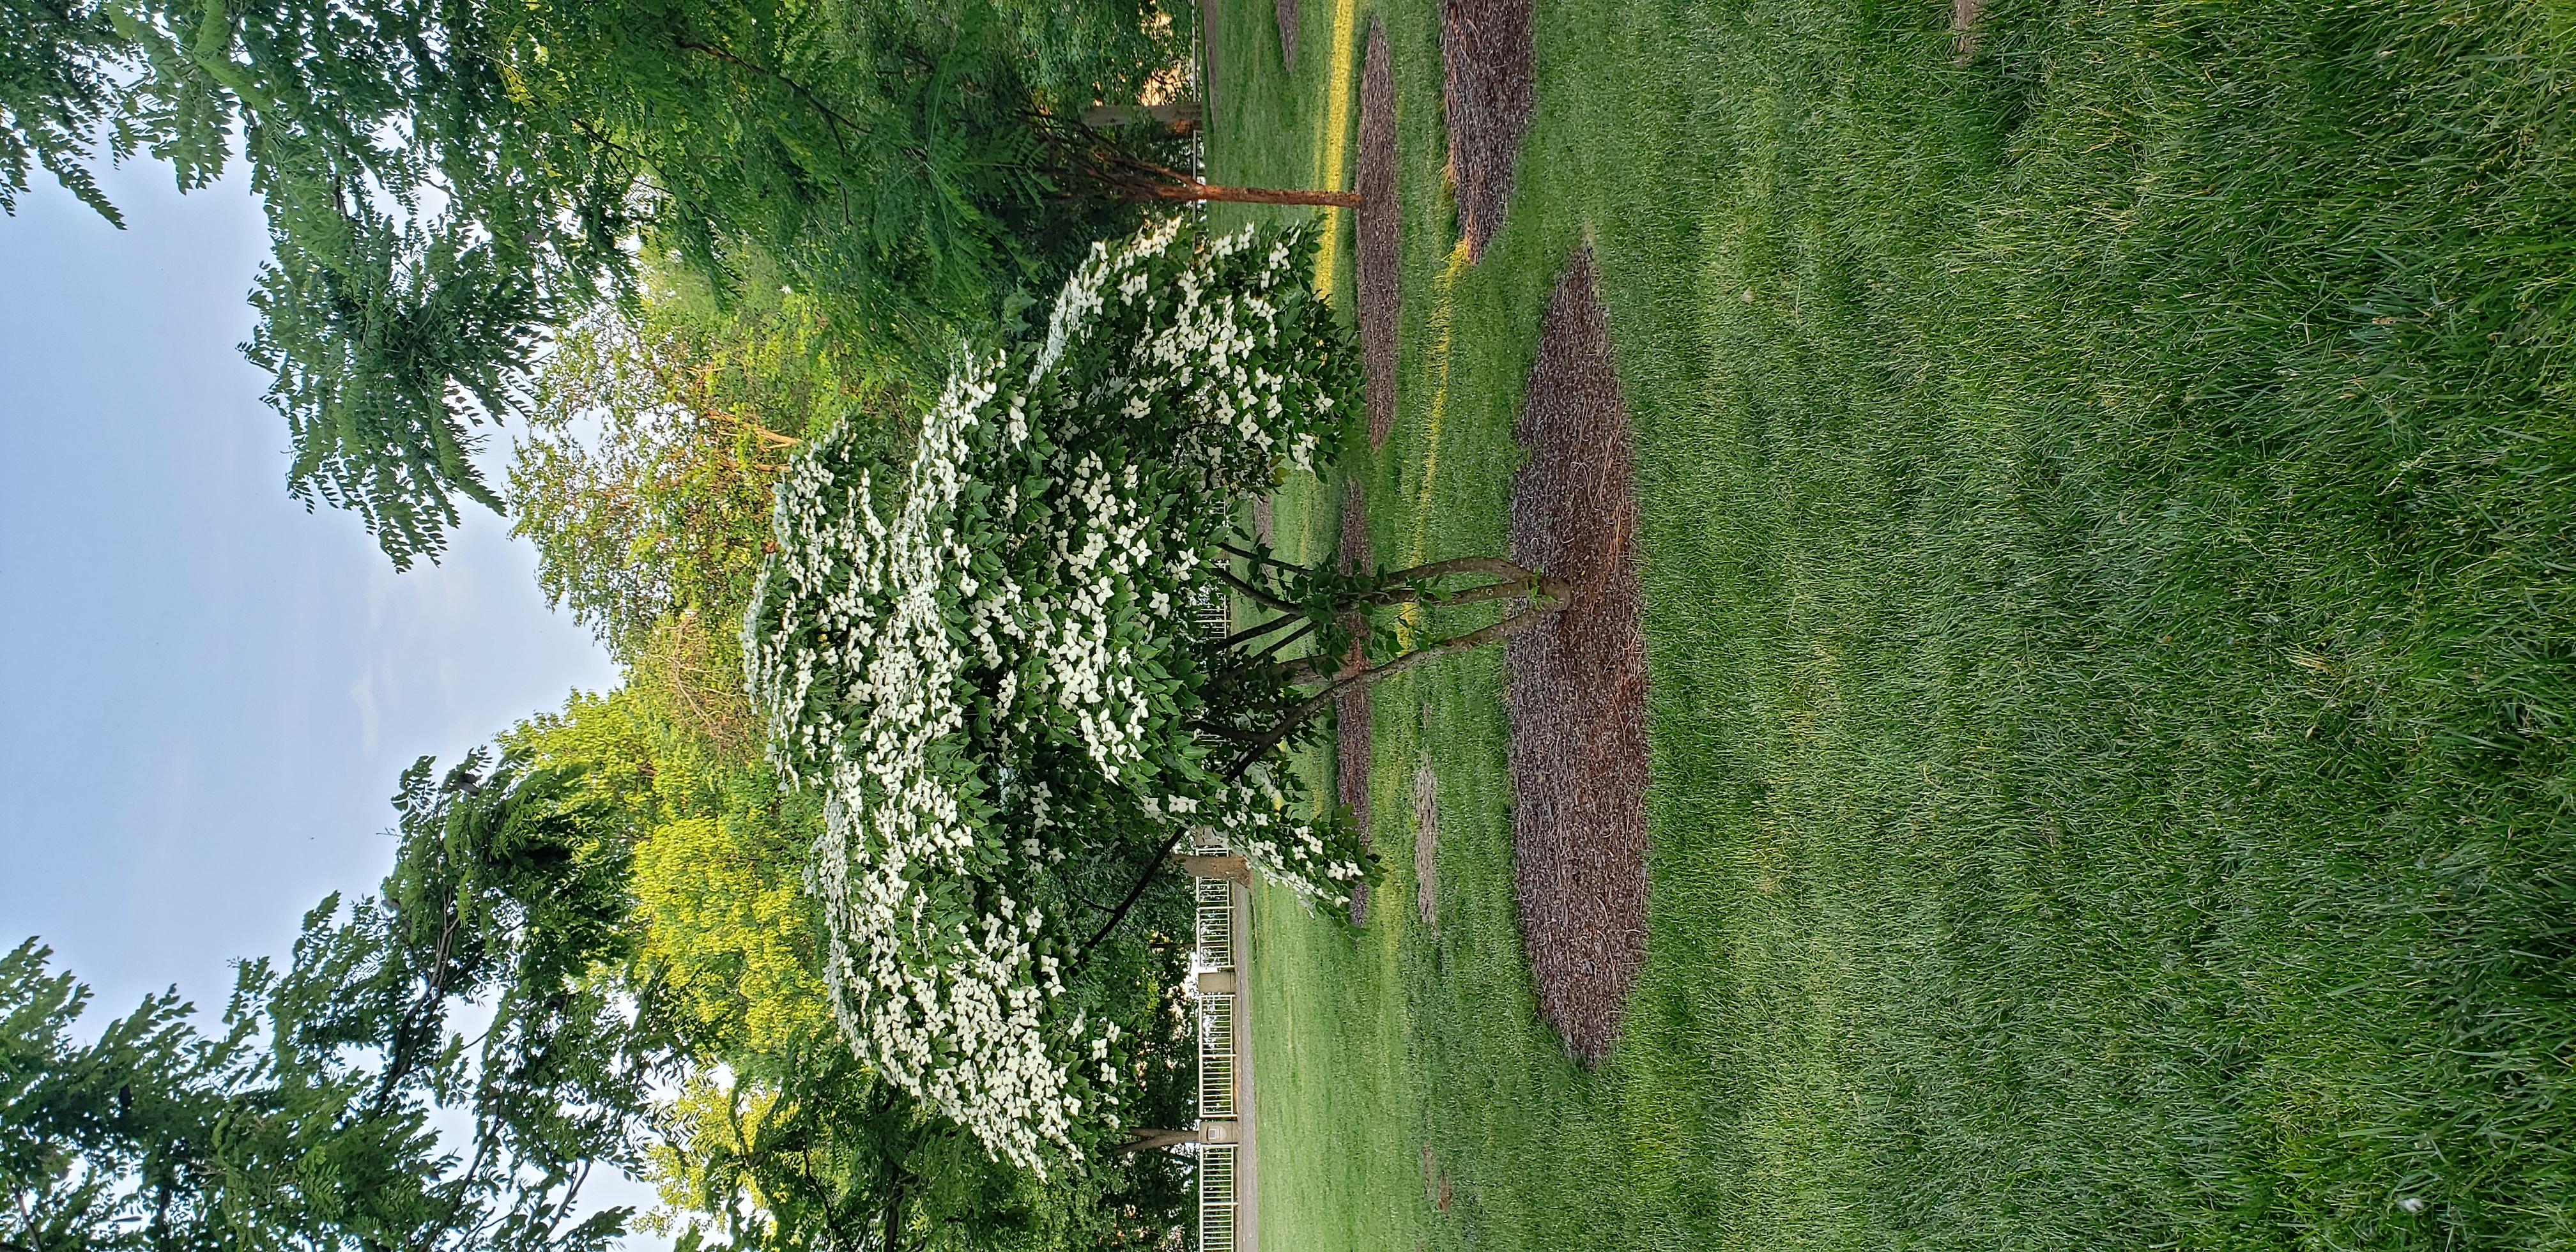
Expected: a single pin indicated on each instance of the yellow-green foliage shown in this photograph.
(710, 1117)
(728, 930)
(718, 852)
(643, 476)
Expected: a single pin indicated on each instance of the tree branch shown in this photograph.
(1250, 633)
(1501, 630)
(1262, 559)
(1134, 894)
(1264, 598)
(1466, 565)
(1556, 594)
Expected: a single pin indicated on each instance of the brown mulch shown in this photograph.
(1577, 690)
(1489, 93)
(1351, 707)
(1287, 14)
(1379, 257)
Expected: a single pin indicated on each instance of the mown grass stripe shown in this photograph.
(1332, 144)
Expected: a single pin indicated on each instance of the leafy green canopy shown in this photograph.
(57, 89)
(308, 1124)
(102, 1145)
(986, 663)
(644, 485)
(778, 1136)
(448, 183)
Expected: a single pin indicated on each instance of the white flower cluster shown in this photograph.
(1239, 413)
(1291, 853)
(980, 659)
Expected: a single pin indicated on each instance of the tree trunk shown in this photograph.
(1515, 581)
(1194, 190)
(1146, 1139)
(1179, 116)
(1229, 868)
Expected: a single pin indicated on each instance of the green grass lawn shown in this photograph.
(2108, 573)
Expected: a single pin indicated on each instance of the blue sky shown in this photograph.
(206, 693)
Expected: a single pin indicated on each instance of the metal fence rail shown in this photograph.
(1216, 1198)
(1218, 1202)
(1211, 613)
(1216, 924)
(1216, 1056)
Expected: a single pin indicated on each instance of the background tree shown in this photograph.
(643, 476)
(780, 1137)
(59, 90)
(106, 1144)
(307, 1123)
(449, 184)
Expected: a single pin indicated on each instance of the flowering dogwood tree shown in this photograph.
(984, 660)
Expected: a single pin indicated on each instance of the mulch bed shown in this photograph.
(1379, 254)
(1351, 707)
(1577, 691)
(1489, 93)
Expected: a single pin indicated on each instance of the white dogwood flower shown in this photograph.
(975, 659)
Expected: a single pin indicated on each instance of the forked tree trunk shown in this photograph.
(1400, 587)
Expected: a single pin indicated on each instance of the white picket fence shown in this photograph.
(1218, 1203)
(1216, 923)
(1216, 1058)
(1216, 1197)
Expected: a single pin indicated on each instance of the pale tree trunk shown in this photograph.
(1229, 868)
(1146, 1140)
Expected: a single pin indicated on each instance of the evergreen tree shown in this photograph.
(308, 1121)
